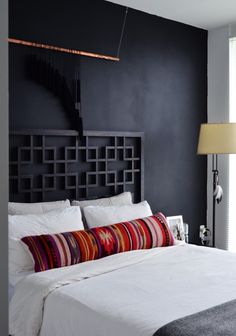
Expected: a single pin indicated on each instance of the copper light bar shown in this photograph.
(65, 50)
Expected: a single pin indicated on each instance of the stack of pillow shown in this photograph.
(39, 231)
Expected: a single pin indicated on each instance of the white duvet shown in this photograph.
(129, 294)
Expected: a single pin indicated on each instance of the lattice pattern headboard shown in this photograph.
(47, 165)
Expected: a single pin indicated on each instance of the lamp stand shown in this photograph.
(215, 183)
(216, 139)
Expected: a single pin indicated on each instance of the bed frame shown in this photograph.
(48, 165)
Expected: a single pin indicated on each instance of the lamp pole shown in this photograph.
(215, 183)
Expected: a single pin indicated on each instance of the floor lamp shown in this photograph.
(216, 139)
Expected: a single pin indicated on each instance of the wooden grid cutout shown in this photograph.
(48, 165)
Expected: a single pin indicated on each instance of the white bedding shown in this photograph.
(14, 279)
(129, 294)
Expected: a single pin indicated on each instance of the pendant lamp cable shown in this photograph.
(122, 32)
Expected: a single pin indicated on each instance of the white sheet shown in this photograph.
(129, 294)
(14, 279)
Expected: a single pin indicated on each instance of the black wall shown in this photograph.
(159, 87)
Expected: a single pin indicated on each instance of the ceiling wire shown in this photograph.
(122, 32)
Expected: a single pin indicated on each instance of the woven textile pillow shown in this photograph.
(69, 248)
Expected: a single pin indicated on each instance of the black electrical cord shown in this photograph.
(122, 32)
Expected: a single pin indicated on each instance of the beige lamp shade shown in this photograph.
(217, 139)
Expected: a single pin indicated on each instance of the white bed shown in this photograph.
(14, 280)
(129, 294)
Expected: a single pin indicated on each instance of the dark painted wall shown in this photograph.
(159, 87)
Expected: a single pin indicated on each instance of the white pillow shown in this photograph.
(122, 199)
(105, 215)
(61, 220)
(36, 208)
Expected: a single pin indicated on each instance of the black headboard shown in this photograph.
(48, 165)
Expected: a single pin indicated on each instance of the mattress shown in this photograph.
(130, 294)
(14, 279)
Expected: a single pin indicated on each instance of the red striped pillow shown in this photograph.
(69, 248)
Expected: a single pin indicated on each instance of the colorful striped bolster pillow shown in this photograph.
(69, 248)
